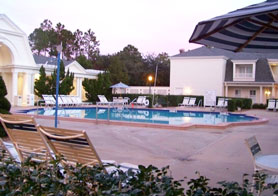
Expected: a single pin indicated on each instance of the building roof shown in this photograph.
(206, 51)
(49, 60)
(262, 72)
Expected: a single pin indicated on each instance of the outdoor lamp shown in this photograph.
(150, 78)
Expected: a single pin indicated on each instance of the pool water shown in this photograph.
(147, 115)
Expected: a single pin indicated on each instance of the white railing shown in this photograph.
(158, 90)
(244, 75)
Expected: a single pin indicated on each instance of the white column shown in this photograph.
(27, 86)
(226, 91)
(273, 91)
(14, 86)
(261, 94)
(79, 87)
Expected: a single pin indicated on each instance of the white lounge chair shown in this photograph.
(67, 100)
(103, 101)
(77, 101)
(141, 100)
(276, 107)
(271, 104)
(192, 101)
(184, 102)
(49, 100)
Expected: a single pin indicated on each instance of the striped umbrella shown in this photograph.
(251, 29)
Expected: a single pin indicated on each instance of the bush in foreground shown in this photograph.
(32, 178)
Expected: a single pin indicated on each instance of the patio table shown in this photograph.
(268, 162)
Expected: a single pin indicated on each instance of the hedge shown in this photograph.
(234, 103)
(259, 106)
(32, 178)
(165, 100)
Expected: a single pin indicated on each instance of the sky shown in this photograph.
(152, 26)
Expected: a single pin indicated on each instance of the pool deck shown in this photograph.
(219, 154)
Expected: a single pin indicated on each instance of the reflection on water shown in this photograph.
(147, 116)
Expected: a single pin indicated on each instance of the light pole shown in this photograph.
(154, 84)
(59, 50)
(150, 78)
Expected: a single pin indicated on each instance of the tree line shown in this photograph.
(128, 65)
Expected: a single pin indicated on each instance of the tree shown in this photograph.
(66, 81)
(5, 105)
(47, 85)
(117, 70)
(43, 41)
(84, 62)
(42, 84)
(163, 73)
(132, 60)
(100, 86)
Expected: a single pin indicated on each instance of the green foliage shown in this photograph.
(234, 103)
(3, 89)
(117, 70)
(231, 105)
(84, 62)
(100, 86)
(259, 106)
(5, 105)
(165, 100)
(32, 178)
(47, 85)
(42, 84)
(43, 41)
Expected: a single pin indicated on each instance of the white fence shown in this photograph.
(158, 90)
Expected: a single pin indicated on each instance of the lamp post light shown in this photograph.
(150, 78)
(59, 50)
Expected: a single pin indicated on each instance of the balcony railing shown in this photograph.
(244, 75)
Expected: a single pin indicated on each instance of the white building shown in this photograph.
(246, 75)
(19, 68)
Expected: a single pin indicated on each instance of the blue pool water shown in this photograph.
(147, 115)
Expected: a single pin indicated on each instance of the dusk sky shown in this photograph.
(152, 26)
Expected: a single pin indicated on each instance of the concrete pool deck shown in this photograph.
(217, 154)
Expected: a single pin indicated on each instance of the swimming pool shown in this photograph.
(154, 116)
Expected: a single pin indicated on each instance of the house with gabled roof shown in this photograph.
(246, 75)
(19, 68)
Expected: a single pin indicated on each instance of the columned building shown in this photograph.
(19, 68)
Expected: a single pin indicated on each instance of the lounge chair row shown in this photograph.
(45, 143)
(188, 101)
(64, 100)
(141, 100)
(272, 104)
(222, 103)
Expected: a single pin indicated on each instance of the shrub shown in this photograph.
(5, 104)
(259, 106)
(244, 103)
(165, 100)
(239, 103)
(31, 178)
(231, 105)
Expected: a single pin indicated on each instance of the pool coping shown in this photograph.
(185, 126)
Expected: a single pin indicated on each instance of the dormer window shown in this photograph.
(244, 71)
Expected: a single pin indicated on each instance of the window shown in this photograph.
(252, 93)
(237, 93)
(244, 70)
